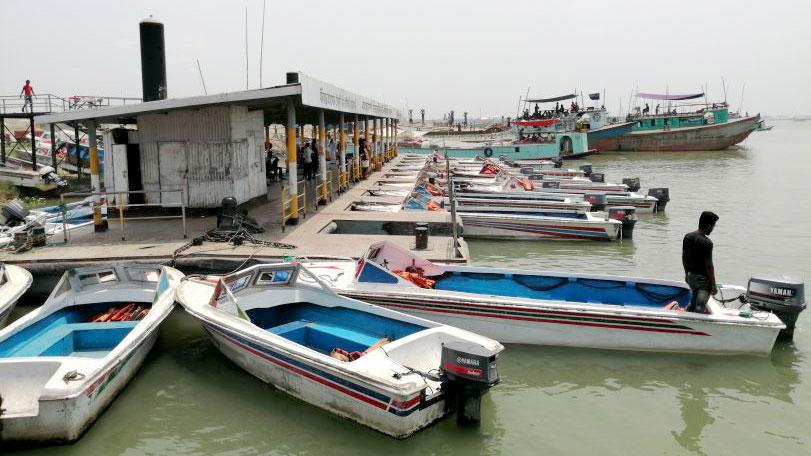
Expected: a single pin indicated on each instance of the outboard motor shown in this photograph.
(597, 177)
(49, 175)
(785, 296)
(468, 370)
(626, 215)
(536, 177)
(587, 169)
(662, 194)
(598, 201)
(633, 183)
(557, 161)
(550, 184)
(527, 170)
(15, 212)
(228, 213)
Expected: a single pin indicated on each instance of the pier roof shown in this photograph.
(308, 94)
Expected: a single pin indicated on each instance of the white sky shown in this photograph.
(470, 56)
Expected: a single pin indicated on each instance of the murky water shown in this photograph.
(190, 400)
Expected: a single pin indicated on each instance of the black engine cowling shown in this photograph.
(468, 370)
(784, 296)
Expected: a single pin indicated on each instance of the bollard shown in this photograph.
(421, 237)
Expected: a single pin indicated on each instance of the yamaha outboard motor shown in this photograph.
(468, 370)
(633, 183)
(598, 201)
(785, 296)
(626, 215)
(15, 212)
(597, 177)
(586, 169)
(228, 213)
(550, 184)
(662, 194)
(536, 177)
(527, 170)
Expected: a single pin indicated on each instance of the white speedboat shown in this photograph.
(512, 188)
(62, 364)
(14, 282)
(392, 372)
(553, 308)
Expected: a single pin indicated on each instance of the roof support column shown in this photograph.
(33, 143)
(76, 148)
(99, 225)
(342, 143)
(53, 147)
(292, 167)
(387, 138)
(322, 156)
(3, 139)
(375, 142)
(396, 121)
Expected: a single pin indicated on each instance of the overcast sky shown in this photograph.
(475, 56)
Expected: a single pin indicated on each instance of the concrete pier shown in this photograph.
(161, 241)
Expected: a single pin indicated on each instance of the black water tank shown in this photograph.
(153, 60)
(292, 77)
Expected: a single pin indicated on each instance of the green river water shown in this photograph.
(189, 400)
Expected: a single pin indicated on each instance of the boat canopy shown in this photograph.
(654, 96)
(550, 100)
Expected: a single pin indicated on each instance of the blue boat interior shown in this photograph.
(571, 289)
(326, 328)
(67, 332)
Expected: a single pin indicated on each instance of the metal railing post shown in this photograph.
(120, 215)
(64, 217)
(183, 211)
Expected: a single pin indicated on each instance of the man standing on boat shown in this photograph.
(696, 258)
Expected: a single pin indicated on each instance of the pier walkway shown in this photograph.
(162, 240)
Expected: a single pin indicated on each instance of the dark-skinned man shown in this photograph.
(696, 257)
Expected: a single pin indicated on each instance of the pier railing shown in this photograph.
(49, 102)
(120, 207)
(287, 203)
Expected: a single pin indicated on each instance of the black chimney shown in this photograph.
(153, 60)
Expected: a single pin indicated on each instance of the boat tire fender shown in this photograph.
(488, 152)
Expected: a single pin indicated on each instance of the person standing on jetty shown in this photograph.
(28, 92)
(308, 161)
(696, 257)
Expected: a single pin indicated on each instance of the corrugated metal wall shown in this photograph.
(224, 153)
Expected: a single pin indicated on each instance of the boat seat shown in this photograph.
(41, 344)
(288, 327)
(324, 336)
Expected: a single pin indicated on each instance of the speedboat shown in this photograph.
(60, 222)
(511, 188)
(522, 224)
(62, 364)
(562, 309)
(14, 282)
(392, 372)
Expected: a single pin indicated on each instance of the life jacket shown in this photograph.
(434, 190)
(415, 278)
(527, 184)
(432, 206)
